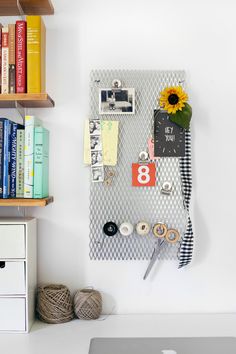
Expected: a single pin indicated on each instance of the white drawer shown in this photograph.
(12, 312)
(12, 241)
(12, 278)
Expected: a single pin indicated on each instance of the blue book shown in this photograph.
(6, 161)
(1, 154)
(12, 166)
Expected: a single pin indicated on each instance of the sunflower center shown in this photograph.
(173, 99)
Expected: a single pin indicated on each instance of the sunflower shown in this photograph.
(173, 99)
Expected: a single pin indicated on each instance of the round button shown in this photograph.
(159, 230)
(142, 228)
(126, 229)
(172, 236)
(110, 229)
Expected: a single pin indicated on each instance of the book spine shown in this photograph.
(5, 158)
(12, 59)
(1, 26)
(21, 56)
(13, 161)
(30, 123)
(9, 157)
(35, 54)
(41, 163)
(5, 60)
(20, 163)
(1, 156)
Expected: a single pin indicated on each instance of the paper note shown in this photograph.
(109, 129)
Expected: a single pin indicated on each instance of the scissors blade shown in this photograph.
(154, 256)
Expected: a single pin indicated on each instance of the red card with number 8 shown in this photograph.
(143, 175)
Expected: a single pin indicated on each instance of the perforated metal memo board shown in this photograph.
(121, 202)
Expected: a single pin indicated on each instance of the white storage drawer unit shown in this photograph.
(18, 281)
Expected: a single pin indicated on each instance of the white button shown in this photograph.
(126, 229)
(142, 228)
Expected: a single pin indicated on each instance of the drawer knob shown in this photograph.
(2, 264)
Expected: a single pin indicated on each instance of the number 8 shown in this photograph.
(143, 171)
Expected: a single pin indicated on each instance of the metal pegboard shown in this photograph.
(121, 202)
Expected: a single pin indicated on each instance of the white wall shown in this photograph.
(197, 36)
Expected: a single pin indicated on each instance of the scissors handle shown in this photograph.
(156, 251)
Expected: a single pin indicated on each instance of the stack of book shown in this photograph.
(23, 159)
(22, 56)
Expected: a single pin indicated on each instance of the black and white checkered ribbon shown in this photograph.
(186, 248)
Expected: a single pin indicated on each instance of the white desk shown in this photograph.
(74, 337)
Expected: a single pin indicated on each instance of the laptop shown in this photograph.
(218, 345)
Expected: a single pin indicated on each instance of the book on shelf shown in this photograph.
(20, 145)
(6, 155)
(13, 157)
(21, 56)
(30, 123)
(36, 51)
(1, 155)
(5, 60)
(41, 148)
(12, 59)
(1, 26)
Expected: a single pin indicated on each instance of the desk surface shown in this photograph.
(74, 337)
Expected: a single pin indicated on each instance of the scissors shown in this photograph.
(171, 236)
(155, 254)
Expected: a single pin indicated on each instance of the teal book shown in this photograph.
(30, 123)
(41, 150)
(20, 145)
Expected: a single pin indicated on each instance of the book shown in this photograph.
(41, 149)
(36, 50)
(30, 123)
(12, 59)
(6, 158)
(1, 26)
(20, 143)
(12, 167)
(5, 60)
(20, 56)
(1, 154)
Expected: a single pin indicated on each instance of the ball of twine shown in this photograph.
(88, 304)
(54, 304)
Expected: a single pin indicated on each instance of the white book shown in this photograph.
(30, 123)
(5, 60)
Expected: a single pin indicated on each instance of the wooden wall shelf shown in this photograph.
(16, 202)
(27, 7)
(26, 100)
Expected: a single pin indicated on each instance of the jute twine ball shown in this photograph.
(54, 304)
(88, 304)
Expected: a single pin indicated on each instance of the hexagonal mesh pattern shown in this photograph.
(121, 202)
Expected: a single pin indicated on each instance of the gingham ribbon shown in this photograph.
(186, 248)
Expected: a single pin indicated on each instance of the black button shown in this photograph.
(110, 228)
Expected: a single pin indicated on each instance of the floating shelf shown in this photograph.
(21, 202)
(26, 100)
(27, 7)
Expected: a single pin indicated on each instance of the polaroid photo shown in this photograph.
(96, 158)
(117, 101)
(95, 142)
(97, 174)
(95, 127)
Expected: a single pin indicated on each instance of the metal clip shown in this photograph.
(143, 157)
(109, 177)
(166, 188)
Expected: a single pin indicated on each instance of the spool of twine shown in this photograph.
(88, 304)
(54, 304)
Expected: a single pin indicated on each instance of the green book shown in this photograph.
(41, 149)
(20, 145)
